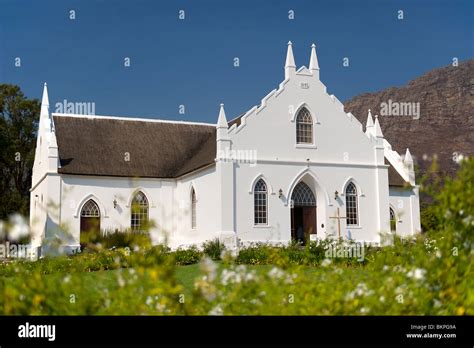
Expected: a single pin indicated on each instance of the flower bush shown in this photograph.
(429, 274)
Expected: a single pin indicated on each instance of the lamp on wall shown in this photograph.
(280, 193)
(336, 194)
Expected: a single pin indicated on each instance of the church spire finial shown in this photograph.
(370, 121)
(290, 66)
(410, 168)
(378, 130)
(45, 100)
(408, 158)
(44, 113)
(313, 62)
(222, 120)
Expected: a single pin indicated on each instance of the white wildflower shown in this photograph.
(417, 274)
(67, 278)
(241, 269)
(161, 307)
(217, 310)
(250, 276)
(360, 290)
(276, 273)
(19, 227)
(120, 281)
(326, 262)
(209, 268)
(226, 276)
(255, 302)
(149, 301)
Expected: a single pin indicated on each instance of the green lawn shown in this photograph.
(185, 275)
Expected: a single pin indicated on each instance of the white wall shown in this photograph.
(406, 205)
(341, 152)
(324, 181)
(169, 205)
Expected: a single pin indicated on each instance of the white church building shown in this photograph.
(295, 167)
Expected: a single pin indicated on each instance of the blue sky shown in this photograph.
(190, 62)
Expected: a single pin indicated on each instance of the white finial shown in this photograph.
(45, 121)
(370, 121)
(45, 100)
(222, 120)
(378, 130)
(408, 158)
(313, 62)
(290, 66)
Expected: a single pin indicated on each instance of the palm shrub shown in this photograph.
(213, 249)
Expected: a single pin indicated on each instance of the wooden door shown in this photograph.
(89, 225)
(309, 221)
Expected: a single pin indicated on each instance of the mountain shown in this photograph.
(444, 125)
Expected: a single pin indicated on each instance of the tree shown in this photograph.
(18, 128)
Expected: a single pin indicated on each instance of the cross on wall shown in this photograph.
(338, 217)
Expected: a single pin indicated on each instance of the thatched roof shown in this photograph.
(132, 148)
(136, 148)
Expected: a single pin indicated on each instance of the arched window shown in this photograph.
(260, 203)
(351, 205)
(193, 209)
(139, 220)
(90, 209)
(393, 221)
(303, 196)
(304, 127)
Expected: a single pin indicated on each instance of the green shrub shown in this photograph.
(187, 256)
(257, 254)
(429, 218)
(213, 249)
(114, 239)
(293, 253)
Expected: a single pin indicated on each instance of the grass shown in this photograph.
(185, 276)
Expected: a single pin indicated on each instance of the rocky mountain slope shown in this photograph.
(444, 125)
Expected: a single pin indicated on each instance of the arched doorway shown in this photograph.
(303, 213)
(90, 221)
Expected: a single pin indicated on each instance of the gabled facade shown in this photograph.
(294, 167)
